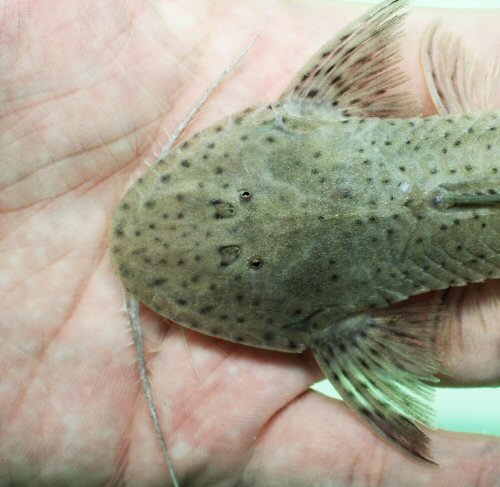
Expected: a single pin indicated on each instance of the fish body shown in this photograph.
(345, 216)
(299, 225)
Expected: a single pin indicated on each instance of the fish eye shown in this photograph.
(245, 195)
(256, 262)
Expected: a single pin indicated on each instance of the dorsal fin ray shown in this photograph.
(353, 74)
(458, 82)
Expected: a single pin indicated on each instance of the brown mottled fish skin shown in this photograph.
(296, 226)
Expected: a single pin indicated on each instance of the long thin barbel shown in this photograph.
(131, 301)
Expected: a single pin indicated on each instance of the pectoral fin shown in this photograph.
(381, 365)
(354, 73)
(458, 82)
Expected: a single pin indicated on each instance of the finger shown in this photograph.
(213, 399)
(471, 338)
(318, 441)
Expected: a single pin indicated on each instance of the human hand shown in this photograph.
(90, 91)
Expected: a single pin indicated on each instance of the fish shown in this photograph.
(308, 224)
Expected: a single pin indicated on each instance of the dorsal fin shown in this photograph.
(353, 73)
(457, 81)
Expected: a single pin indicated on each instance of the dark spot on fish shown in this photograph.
(312, 93)
(205, 156)
(207, 309)
(244, 137)
(270, 139)
(336, 79)
(150, 204)
(445, 150)
(185, 163)
(268, 336)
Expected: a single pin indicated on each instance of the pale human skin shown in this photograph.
(88, 93)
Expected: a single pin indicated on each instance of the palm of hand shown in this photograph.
(84, 94)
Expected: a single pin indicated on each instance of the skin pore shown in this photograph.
(91, 92)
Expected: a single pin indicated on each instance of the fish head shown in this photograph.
(195, 237)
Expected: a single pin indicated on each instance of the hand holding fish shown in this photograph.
(88, 94)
